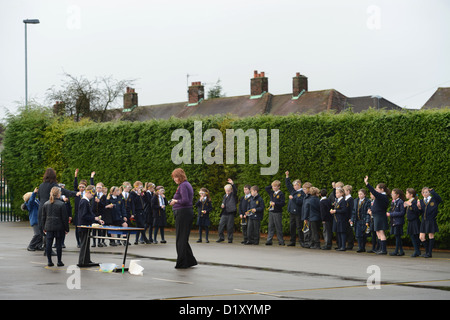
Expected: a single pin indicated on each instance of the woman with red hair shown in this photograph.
(183, 212)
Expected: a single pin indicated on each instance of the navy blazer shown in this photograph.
(381, 203)
(278, 199)
(295, 204)
(359, 212)
(258, 204)
(313, 209)
(397, 212)
(341, 207)
(430, 210)
(85, 214)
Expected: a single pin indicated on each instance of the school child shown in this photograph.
(254, 214)
(149, 190)
(361, 219)
(204, 207)
(428, 206)
(397, 217)
(340, 213)
(349, 199)
(66, 201)
(306, 231)
(86, 217)
(137, 209)
(277, 202)
(379, 209)
(126, 189)
(55, 222)
(32, 206)
(327, 219)
(229, 203)
(244, 203)
(98, 208)
(115, 210)
(312, 217)
(412, 215)
(159, 204)
(296, 196)
(80, 187)
(375, 241)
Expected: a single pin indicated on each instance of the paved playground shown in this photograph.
(226, 271)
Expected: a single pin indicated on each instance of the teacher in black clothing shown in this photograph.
(183, 212)
(378, 212)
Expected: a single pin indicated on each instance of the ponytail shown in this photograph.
(54, 194)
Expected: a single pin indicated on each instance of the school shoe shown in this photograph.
(220, 240)
(163, 241)
(291, 244)
(199, 240)
(60, 264)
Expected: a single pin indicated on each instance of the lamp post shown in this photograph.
(27, 21)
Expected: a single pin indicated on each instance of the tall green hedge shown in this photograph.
(402, 149)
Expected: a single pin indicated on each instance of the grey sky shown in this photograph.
(398, 49)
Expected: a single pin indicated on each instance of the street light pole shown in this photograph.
(27, 21)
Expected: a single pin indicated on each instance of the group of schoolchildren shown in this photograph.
(311, 212)
(141, 205)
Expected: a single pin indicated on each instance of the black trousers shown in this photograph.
(85, 253)
(183, 223)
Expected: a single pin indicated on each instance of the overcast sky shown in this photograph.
(397, 49)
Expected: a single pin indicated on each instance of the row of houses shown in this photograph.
(260, 101)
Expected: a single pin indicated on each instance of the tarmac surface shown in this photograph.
(226, 271)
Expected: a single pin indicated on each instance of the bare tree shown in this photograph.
(80, 96)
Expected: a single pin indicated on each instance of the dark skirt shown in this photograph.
(413, 227)
(183, 223)
(203, 221)
(397, 230)
(429, 226)
(380, 222)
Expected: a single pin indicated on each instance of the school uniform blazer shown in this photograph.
(325, 207)
(359, 212)
(430, 210)
(397, 212)
(306, 199)
(313, 209)
(244, 204)
(294, 204)
(156, 207)
(278, 199)
(256, 203)
(137, 203)
(341, 213)
(412, 212)
(98, 208)
(381, 203)
(85, 214)
(350, 202)
(118, 211)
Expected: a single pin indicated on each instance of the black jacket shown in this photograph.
(54, 216)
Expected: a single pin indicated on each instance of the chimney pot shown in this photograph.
(259, 84)
(299, 83)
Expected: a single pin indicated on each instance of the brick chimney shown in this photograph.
(196, 92)
(299, 83)
(259, 84)
(130, 98)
